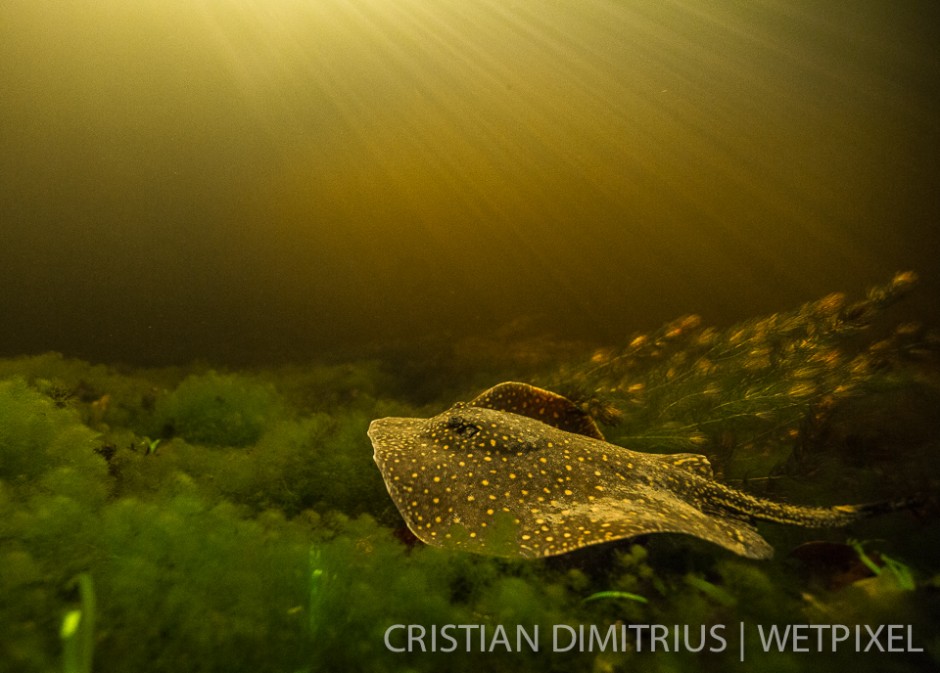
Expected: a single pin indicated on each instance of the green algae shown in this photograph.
(40, 440)
(218, 409)
(257, 534)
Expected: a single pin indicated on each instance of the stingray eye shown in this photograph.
(462, 427)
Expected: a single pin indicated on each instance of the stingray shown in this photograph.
(523, 472)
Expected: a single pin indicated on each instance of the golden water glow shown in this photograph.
(378, 162)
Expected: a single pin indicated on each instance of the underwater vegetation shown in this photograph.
(191, 519)
(217, 409)
(758, 393)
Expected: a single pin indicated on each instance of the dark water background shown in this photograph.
(262, 181)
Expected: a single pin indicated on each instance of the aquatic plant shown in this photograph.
(608, 595)
(713, 591)
(901, 572)
(78, 630)
(753, 392)
(103, 396)
(218, 409)
(44, 445)
(221, 591)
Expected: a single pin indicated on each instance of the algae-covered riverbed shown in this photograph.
(198, 518)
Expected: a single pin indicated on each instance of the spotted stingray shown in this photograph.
(523, 472)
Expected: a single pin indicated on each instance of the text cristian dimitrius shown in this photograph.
(888, 638)
(564, 638)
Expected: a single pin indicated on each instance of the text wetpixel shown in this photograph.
(893, 638)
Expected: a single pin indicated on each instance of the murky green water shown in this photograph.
(234, 233)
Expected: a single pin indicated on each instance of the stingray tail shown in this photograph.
(807, 516)
(856, 512)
